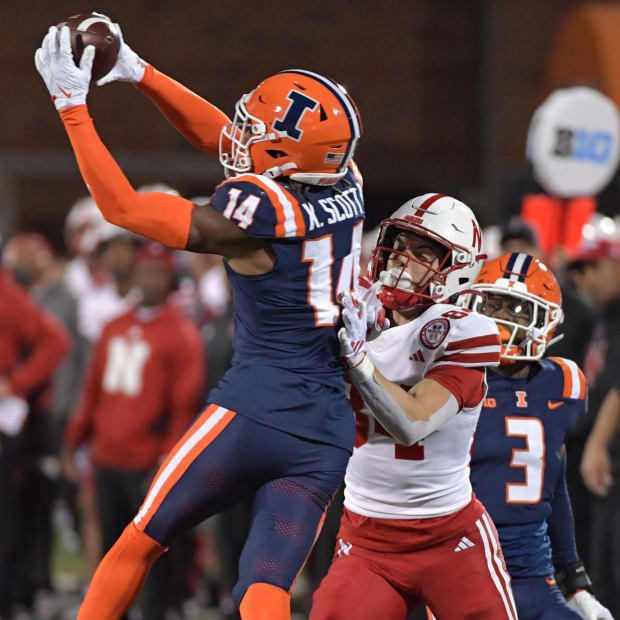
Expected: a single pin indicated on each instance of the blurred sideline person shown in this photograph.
(417, 390)
(32, 346)
(106, 291)
(82, 228)
(288, 219)
(601, 472)
(31, 260)
(518, 458)
(114, 254)
(142, 390)
(596, 270)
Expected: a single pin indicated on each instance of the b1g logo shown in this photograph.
(581, 144)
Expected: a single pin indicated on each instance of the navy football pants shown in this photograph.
(538, 598)
(224, 457)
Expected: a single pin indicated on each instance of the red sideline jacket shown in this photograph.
(32, 342)
(143, 389)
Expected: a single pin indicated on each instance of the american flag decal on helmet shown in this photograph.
(334, 158)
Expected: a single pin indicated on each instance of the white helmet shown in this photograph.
(82, 226)
(447, 222)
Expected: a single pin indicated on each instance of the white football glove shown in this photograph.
(128, 68)
(376, 321)
(352, 337)
(587, 605)
(67, 83)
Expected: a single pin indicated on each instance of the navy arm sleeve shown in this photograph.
(561, 524)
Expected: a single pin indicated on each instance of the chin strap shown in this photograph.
(277, 171)
(555, 339)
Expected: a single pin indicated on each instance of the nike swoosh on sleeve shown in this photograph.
(554, 405)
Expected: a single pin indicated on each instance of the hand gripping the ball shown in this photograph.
(67, 83)
(128, 68)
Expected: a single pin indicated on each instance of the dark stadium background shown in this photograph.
(446, 89)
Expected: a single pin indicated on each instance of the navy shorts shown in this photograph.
(225, 457)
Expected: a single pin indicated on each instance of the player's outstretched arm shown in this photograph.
(171, 220)
(195, 118)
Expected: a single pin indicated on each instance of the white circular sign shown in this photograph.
(572, 142)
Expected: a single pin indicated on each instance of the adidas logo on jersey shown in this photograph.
(464, 543)
(417, 356)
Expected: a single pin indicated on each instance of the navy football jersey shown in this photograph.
(285, 371)
(516, 456)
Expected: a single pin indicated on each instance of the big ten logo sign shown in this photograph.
(593, 146)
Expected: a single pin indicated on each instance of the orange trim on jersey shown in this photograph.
(299, 218)
(356, 173)
(276, 201)
(582, 384)
(153, 502)
(568, 379)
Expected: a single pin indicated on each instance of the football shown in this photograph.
(98, 30)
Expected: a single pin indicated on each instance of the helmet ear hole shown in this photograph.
(275, 154)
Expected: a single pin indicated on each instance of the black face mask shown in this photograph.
(23, 276)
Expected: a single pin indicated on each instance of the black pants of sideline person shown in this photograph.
(119, 496)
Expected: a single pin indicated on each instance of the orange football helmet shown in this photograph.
(530, 283)
(295, 123)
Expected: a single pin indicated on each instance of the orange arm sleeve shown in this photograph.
(198, 120)
(155, 215)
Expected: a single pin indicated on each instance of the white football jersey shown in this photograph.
(387, 480)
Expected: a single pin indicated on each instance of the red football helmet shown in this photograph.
(537, 300)
(295, 123)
